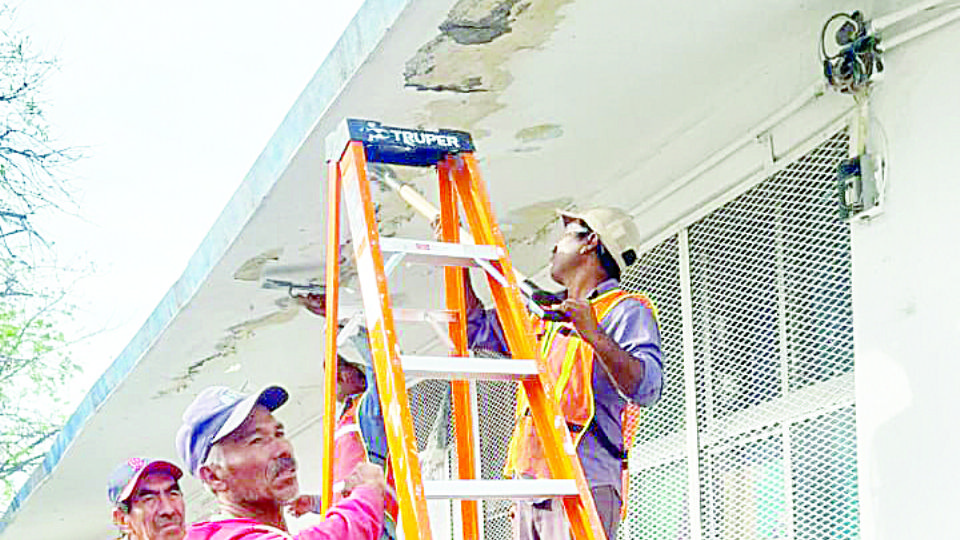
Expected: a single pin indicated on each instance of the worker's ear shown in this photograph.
(211, 476)
(121, 520)
(591, 242)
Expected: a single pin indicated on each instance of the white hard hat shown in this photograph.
(616, 231)
(349, 353)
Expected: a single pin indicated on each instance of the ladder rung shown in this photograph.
(499, 489)
(440, 253)
(424, 315)
(465, 367)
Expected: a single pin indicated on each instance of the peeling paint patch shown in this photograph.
(227, 347)
(248, 328)
(476, 40)
(465, 27)
(525, 149)
(529, 224)
(180, 383)
(541, 132)
(462, 112)
(252, 270)
(422, 69)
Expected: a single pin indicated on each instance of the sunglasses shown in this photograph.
(575, 227)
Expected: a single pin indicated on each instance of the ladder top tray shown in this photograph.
(398, 146)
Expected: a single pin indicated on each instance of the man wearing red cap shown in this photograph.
(146, 498)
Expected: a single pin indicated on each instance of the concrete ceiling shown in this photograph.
(569, 101)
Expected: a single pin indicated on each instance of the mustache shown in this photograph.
(282, 465)
(163, 521)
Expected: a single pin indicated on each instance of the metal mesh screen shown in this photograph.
(658, 468)
(428, 399)
(434, 425)
(773, 346)
(496, 402)
(743, 496)
(772, 359)
(824, 476)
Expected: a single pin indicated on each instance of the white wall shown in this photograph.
(906, 295)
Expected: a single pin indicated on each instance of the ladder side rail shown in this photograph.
(460, 389)
(551, 426)
(401, 438)
(330, 364)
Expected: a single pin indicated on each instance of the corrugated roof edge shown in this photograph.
(358, 40)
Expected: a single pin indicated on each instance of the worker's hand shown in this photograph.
(315, 302)
(365, 474)
(304, 504)
(580, 312)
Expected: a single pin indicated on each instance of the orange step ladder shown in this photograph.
(451, 153)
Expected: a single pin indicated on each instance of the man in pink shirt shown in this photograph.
(235, 446)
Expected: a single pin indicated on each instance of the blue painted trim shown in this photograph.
(361, 36)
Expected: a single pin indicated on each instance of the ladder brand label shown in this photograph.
(386, 144)
(411, 138)
(373, 132)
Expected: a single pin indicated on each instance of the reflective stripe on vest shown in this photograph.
(570, 366)
(349, 451)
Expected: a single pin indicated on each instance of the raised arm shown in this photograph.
(627, 345)
(370, 415)
(360, 515)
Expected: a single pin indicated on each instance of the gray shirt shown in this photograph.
(632, 326)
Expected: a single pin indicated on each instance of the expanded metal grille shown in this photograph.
(773, 355)
(824, 476)
(496, 402)
(774, 451)
(658, 465)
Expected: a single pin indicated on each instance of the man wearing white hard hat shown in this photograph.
(603, 349)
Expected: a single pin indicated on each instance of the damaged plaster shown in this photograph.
(542, 132)
(476, 40)
(228, 347)
(252, 269)
(472, 23)
(529, 231)
(530, 224)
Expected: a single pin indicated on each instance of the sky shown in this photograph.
(170, 103)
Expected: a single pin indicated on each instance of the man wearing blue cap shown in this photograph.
(235, 446)
(146, 498)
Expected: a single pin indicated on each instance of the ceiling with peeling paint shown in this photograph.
(571, 103)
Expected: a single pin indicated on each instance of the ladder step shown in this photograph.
(465, 367)
(424, 315)
(499, 489)
(440, 253)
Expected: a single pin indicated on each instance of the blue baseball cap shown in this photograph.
(123, 480)
(217, 412)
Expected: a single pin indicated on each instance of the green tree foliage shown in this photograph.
(34, 369)
(34, 364)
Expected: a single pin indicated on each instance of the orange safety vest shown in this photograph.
(570, 363)
(349, 451)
